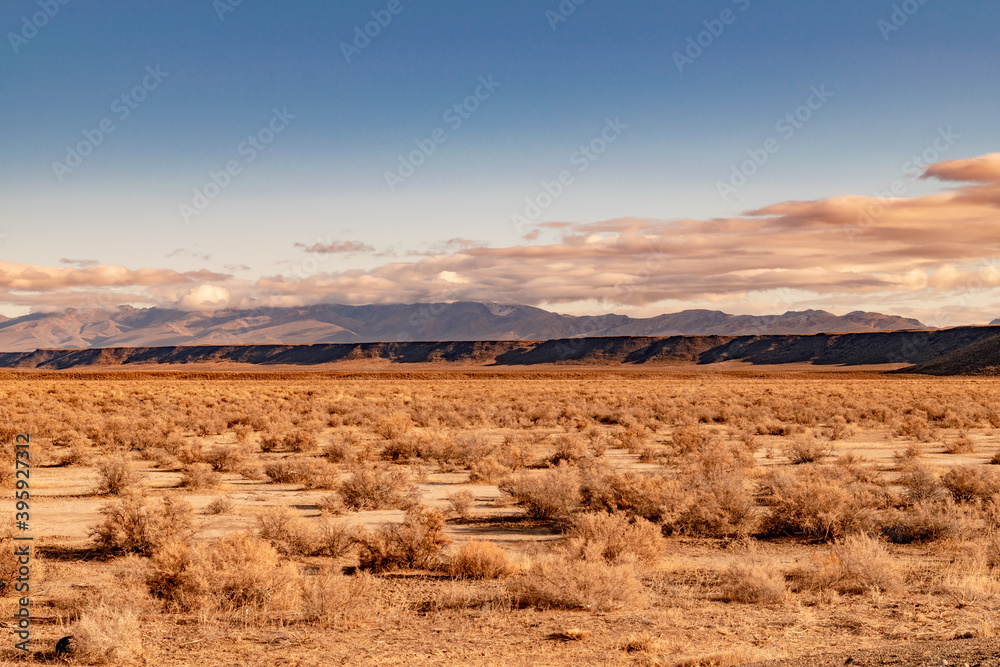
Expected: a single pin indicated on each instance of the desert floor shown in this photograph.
(662, 517)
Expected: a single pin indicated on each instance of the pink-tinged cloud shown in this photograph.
(983, 169)
(337, 247)
(30, 277)
(939, 248)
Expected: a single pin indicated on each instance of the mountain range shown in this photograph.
(460, 321)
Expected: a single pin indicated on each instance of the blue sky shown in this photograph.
(557, 80)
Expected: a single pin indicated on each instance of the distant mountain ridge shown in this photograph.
(459, 321)
(926, 351)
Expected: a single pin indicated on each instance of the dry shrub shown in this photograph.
(116, 477)
(461, 502)
(568, 447)
(221, 505)
(857, 564)
(636, 493)
(752, 580)
(228, 458)
(238, 575)
(615, 538)
(331, 504)
(971, 485)
(920, 485)
(924, 522)
(866, 563)
(839, 429)
(339, 451)
(806, 450)
(908, 455)
(413, 544)
(373, 487)
(817, 504)
(721, 505)
(914, 426)
(393, 426)
(200, 476)
(329, 597)
(292, 534)
(406, 448)
(690, 439)
(311, 473)
(962, 444)
(480, 560)
(108, 634)
(553, 493)
(137, 525)
(488, 470)
(564, 582)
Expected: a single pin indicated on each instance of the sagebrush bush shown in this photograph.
(961, 444)
(615, 538)
(753, 580)
(311, 473)
(238, 575)
(971, 485)
(856, 564)
(818, 504)
(292, 534)
(553, 493)
(200, 476)
(806, 450)
(329, 596)
(115, 476)
(479, 560)
(135, 524)
(373, 487)
(564, 582)
(461, 501)
(924, 522)
(108, 634)
(413, 544)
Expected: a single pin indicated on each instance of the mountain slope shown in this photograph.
(921, 348)
(460, 321)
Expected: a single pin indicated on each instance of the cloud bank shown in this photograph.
(855, 249)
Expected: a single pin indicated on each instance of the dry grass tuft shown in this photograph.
(753, 580)
(108, 634)
(564, 582)
(615, 538)
(857, 564)
(480, 560)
